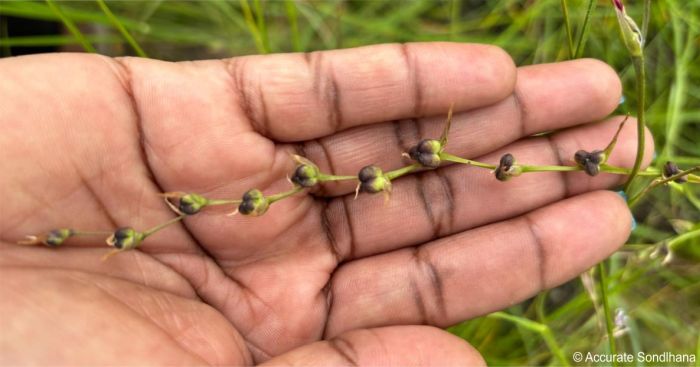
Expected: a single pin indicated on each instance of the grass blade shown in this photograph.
(120, 27)
(585, 29)
(71, 27)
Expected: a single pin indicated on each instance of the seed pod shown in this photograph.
(671, 169)
(590, 161)
(254, 203)
(192, 203)
(427, 153)
(305, 175)
(507, 168)
(372, 180)
(125, 238)
(57, 237)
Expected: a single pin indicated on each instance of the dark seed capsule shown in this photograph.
(507, 161)
(507, 168)
(192, 203)
(590, 161)
(369, 172)
(58, 236)
(305, 175)
(126, 238)
(254, 203)
(372, 180)
(671, 169)
(427, 153)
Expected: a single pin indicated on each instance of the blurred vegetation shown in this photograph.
(654, 279)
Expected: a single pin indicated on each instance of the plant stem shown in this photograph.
(659, 182)
(284, 195)
(549, 168)
(391, 175)
(453, 158)
(536, 327)
(90, 233)
(157, 228)
(639, 69)
(71, 27)
(645, 19)
(322, 177)
(606, 310)
(567, 24)
(213, 202)
(584, 29)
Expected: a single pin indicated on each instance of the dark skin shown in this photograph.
(88, 142)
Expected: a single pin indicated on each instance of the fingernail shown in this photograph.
(622, 100)
(634, 223)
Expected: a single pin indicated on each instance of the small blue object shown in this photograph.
(622, 100)
(622, 194)
(634, 221)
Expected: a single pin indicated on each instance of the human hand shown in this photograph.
(88, 142)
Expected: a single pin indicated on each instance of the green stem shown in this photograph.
(645, 19)
(455, 9)
(71, 27)
(536, 327)
(322, 177)
(252, 26)
(214, 202)
(659, 182)
(453, 158)
(291, 9)
(567, 24)
(90, 233)
(157, 228)
(284, 195)
(120, 27)
(672, 244)
(606, 310)
(584, 30)
(391, 175)
(639, 69)
(550, 168)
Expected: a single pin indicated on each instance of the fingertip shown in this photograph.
(499, 70)
(605, 85)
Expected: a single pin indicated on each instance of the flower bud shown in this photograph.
(671, 169)
(254, 203)
(372, 180)
(507, 168)
(631, 35)
(125, 238)
(427, 153)
(590, 161)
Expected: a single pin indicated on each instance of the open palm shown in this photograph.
(88, 142)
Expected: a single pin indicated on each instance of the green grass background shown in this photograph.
(661, 300)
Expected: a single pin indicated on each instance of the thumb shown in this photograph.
(386, 346)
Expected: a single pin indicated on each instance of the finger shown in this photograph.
(387, 346)
(547, 97)
(455, 198)
(292, 97)
(481, 270)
